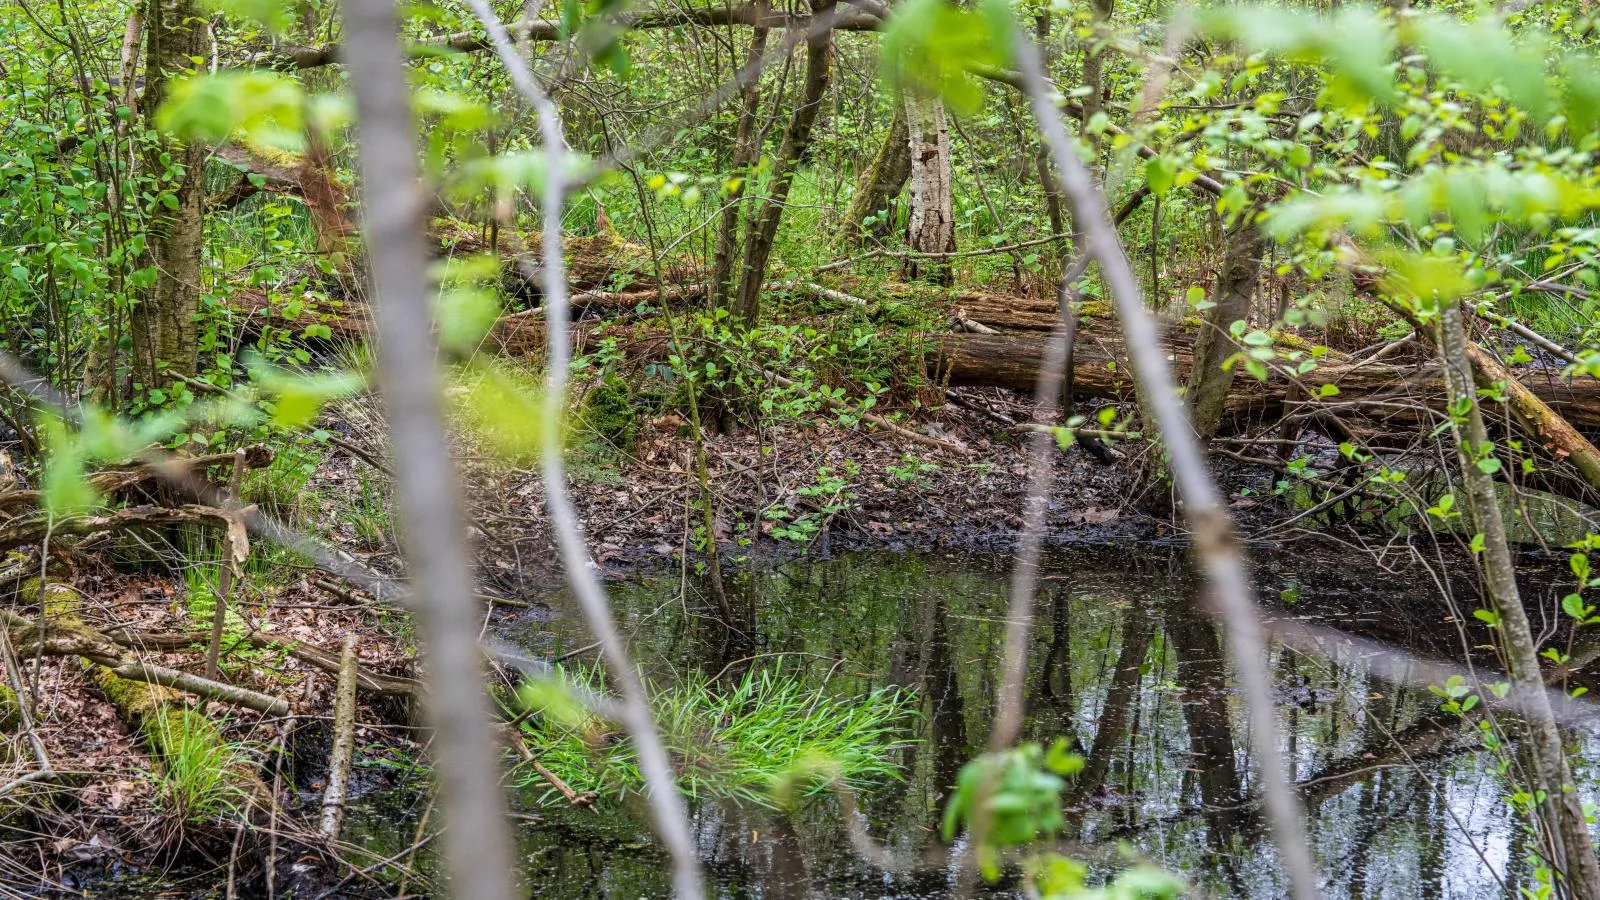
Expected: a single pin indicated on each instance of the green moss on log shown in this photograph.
(10, 709)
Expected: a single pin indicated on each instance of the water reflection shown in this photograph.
(1122, 664)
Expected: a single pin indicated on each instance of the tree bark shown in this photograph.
(1209, 381)
(164, 321)
(796, 138)
(744, 157)
(1566, 832)
(879, 184)
(932, 227)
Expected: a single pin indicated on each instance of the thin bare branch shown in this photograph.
(1215, 542)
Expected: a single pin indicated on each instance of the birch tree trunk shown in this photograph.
(933, 226)
(164, 328)
(1567, 839)
(1209, 381)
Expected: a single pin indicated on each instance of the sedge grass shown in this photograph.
(770, 739)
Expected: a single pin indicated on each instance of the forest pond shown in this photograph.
(1121, 663)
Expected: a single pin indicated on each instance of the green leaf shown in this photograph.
(1328, 390)
(273, 15)
(1161, 173)
(262, 108)
(1573, 605)
(65, 487)
(930, 47)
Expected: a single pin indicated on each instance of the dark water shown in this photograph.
(1122, 663)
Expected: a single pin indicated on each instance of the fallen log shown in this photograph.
(33, 529)
(1399, 393)
(67, 636)
(318, 658)
(121, 478)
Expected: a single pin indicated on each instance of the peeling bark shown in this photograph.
(165, 320)
(932, 228)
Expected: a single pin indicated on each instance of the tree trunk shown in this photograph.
(164, 321)
(933, 225)
(1209, 381)
(1566, 832)
(1053, 206)
(796, 138)
(1093, 63)
(1121, 696)
(879, 184)
(744, 157)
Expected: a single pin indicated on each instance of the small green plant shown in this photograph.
(913, 469)
(278, 490)
(369, 514)
(828, 496)
(1011, 800)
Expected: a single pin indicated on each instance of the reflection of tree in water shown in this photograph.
(1164, 754)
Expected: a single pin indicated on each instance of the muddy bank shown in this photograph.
(791, 491)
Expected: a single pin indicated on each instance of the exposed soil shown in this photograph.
(642, 509)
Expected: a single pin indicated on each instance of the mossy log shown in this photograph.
(151, 709)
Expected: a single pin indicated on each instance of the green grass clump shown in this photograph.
(202, 775)
(769, 739)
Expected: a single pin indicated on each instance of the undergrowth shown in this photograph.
(770, 738)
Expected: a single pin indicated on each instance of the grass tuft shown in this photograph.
(768, 741)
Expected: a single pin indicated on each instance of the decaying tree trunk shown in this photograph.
(1570, 846)
(165, 320)
(744, 157)
(879, 184)
(763, 229)
(1210, 380)
(932, 228)
(1399, 394)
